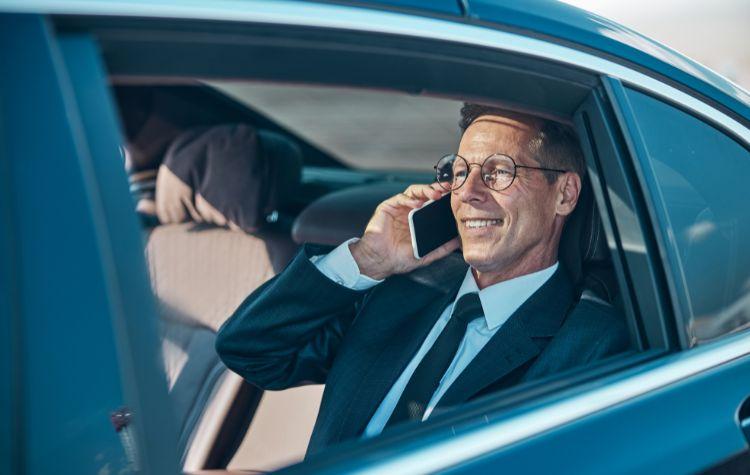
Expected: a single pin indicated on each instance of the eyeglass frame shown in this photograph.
(470, 165)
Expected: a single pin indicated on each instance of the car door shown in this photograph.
(86, 394)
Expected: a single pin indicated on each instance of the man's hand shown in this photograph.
(385, 248)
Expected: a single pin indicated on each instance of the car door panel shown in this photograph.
(86, 346)
(683, 427)
(130, 294)
(61, 422)
(75, 248)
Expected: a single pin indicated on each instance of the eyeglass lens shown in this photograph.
(497, 172)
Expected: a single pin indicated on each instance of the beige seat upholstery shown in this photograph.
(200, 274)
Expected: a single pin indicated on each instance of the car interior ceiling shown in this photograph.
(200, 272)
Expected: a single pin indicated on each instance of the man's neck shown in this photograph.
(485, 279)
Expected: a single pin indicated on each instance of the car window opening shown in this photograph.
(217, 229)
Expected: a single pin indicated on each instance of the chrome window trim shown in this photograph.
(447, 453)
(289, 12)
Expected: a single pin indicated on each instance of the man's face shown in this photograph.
(509, 229)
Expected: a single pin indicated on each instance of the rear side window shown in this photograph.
(699, 175)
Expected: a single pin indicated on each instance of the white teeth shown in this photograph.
(480, 223)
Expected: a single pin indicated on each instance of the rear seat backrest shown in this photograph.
(201, 273)
(338, 216)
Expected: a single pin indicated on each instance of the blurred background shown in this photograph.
(715, 33)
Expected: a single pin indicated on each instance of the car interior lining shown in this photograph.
(144, 49)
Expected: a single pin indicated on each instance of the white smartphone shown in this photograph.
(431, 226)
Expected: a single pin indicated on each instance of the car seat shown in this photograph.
(201, 268)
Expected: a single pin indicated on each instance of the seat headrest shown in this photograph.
(229, 175)
(338, 216)
(583, 248)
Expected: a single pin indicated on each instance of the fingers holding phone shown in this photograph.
(386, 245)
(412, 197)
(431, 192)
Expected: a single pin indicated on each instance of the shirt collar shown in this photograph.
(500, 300)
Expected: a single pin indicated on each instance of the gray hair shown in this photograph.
(554, 145)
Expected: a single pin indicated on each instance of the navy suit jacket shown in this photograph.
(302, 328)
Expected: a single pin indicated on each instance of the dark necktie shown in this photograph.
(430, 371)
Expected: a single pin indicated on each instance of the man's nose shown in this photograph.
(473, 188)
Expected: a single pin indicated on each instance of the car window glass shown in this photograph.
(698, 176)
(364, 129)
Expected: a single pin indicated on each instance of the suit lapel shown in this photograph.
(513, 344)
(391, 361)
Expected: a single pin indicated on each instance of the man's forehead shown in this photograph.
(496, 134)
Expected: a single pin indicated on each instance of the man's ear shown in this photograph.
(568, 191)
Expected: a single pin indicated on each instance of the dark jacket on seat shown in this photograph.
(302, 328)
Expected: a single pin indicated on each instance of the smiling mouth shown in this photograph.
(481, 223)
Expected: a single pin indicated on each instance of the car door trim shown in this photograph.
(386, 22)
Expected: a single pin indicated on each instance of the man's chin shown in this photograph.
(477, 259)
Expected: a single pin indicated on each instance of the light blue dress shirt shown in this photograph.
(499, 301)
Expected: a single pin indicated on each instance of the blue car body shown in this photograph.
(76, 304)
(563, 23)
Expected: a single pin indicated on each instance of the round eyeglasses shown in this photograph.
(497, 171)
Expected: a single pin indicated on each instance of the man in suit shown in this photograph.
(393, 346)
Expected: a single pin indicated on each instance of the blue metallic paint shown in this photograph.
(74, 344)
(132, 310)
(79, 254)
(11, 394)
(68, 343)
(681, 428)
(448, 7)
(555, 21)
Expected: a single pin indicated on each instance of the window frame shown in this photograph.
(616, 183)
(610, 169)
(627, 118)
